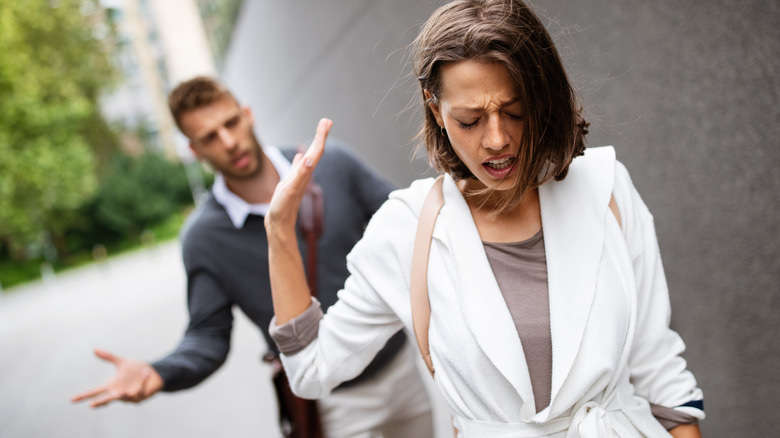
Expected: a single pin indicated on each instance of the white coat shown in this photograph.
(612, 348)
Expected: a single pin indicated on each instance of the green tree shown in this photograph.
(52, 69)
(141, 191)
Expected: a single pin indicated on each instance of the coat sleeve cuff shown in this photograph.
(299, 332)
(673, 417)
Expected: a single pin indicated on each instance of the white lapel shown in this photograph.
(573, 218)
(484, 308)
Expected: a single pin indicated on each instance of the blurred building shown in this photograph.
(159, 43)
(219, 20)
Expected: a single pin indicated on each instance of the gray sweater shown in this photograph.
(227, 266)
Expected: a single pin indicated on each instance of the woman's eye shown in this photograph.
(469, 125)
(515, 117)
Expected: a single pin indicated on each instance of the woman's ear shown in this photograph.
(434, 106)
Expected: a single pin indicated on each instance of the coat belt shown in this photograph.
(590, 420)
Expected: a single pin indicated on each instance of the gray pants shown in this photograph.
(392, 404)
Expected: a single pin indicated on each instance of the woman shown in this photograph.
(549, 306)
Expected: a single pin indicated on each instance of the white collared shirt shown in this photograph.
(237, 208)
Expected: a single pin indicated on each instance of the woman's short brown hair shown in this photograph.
(195, 93)
(507, 32)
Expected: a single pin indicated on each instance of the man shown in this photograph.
(224, 248)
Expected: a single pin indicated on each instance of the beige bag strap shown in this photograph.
(421, 306)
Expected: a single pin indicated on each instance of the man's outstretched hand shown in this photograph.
(134, 382)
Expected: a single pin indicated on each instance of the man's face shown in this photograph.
(221, 134)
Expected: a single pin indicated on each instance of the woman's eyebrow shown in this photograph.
(478, 109)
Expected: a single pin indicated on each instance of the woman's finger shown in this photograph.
(303, 164)
(297, 159)
(317, 146)
(287, 197)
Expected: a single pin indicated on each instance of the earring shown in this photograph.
(443, 131)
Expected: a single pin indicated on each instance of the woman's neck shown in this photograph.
(520, 221)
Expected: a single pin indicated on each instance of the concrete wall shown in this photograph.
(686, 92)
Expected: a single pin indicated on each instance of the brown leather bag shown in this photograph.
(298, 417)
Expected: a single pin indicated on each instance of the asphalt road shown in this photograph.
(131, 305)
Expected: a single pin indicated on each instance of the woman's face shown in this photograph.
(481, 111)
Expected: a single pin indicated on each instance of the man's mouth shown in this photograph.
(241, 161)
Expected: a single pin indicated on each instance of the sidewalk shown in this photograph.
(131, 305)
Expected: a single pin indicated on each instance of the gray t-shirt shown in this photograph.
(520, 269)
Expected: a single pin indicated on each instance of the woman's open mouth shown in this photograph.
(501, 166)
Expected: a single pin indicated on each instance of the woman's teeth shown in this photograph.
(500, 164)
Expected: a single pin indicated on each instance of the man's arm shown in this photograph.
(202, 351)
(206, 343)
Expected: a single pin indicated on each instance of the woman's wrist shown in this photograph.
(280, 230)
(686, 431)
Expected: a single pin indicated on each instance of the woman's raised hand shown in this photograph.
(288, 279)
(286, 200)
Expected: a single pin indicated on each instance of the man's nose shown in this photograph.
(228, 140)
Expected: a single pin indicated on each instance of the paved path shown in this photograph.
(132, 305)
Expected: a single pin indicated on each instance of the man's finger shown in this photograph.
(105, 355)
(105, 399)
(88, 394)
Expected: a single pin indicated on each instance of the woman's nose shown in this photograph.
(495, 134)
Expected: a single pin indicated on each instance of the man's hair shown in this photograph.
(509, 33)
(195, 93)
